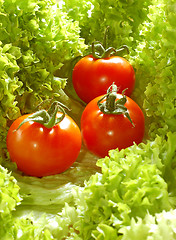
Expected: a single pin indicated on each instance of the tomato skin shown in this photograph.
(92, 77)
(103, 132)
(40, 151)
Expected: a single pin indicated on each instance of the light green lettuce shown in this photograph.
(46, 39)
(9, 84)
(130, 194)
(158, 227)
(9, 198)
(131, 185)
(128, 199)
(123, 17)
(154, 61)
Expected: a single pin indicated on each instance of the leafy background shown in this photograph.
(128, 194)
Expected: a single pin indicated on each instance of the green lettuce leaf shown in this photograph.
(9, 193)
(9, 198)
(123, 17)
(132, 184)
(154, 61)
(158, 227)
(133, 196)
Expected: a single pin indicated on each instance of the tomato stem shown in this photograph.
(47, 118)
(100, 50)
(112, 105)
(97, 45)
(106, 52)
(111, 98)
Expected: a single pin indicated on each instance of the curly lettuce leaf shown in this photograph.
(154, 61)
(24, 228)
(9, 199)
(136, 184)
(123, 17)
(38, 38)
(9, 85)
(158, 227)
(9, 193)
(132, 184)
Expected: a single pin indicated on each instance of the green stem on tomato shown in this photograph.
(106, 52)
(111, 98)
(47, 118)
(96, 44)
(112, 105)
(122, 48)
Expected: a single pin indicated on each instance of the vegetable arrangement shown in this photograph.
(129, 194)
(51, 140)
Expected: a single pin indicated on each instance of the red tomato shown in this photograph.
(41, 151)
(92, 77)
(102, 132)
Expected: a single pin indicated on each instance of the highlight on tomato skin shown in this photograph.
(102, 132)
(40, 151)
